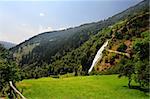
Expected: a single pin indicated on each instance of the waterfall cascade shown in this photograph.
(98, 56)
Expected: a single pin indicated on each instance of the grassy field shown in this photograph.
(85, 87)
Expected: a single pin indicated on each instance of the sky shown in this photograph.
(20, 20)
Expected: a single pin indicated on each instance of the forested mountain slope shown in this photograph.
(70, 50)
(122, 35)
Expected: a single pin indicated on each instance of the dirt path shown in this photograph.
(117, 52)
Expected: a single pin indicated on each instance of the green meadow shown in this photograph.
(82, 87)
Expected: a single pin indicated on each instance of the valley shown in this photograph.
(73, 49)
(107, 59)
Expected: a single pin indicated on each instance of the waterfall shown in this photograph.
(98, 56)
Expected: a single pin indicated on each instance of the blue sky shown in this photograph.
(20, 20)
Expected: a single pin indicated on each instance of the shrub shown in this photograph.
(122, 48)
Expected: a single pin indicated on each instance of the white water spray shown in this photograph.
(98, 56)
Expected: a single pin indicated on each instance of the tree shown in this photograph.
(138, 66)
(127, 69)
(141, 48)
(141, 59)
(143, 73)
(9, 71)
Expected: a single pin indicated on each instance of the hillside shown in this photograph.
(124, 40)
(123, 33)
(47, 53)
(83, 62)
(7, 45)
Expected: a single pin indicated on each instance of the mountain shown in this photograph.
(7, 45)
(73, 49)
(124, 37)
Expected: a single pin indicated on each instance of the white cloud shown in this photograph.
(42, 14)
(61, 28)
(49, 28)
(45, 29)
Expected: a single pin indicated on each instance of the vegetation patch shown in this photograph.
(82, 87)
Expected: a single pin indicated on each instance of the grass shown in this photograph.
(82, 87)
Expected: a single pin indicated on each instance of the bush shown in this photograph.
(122, 48)
(127, 37)
(118, 35)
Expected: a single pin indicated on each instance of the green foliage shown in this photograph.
(118, 35)
(127, 36)
(141, 48)
(127, 69)
(138, 65)
(143, 73)
(80, 59)
(9, 71)
(122, 47)
(141, 57)
(61, 52)
(72, 51)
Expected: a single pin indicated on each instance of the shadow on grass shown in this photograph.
(145, 90)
